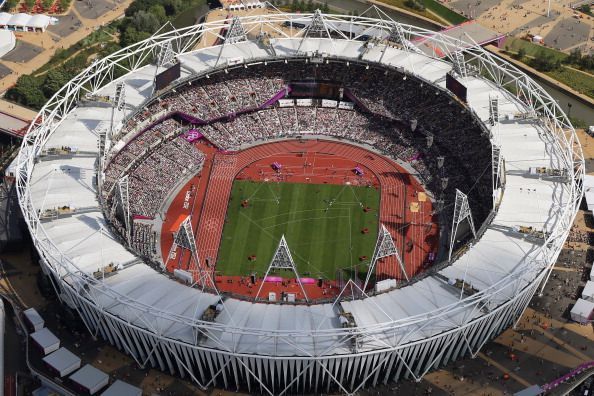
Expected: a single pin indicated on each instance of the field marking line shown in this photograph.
(320, 242)
(259, 226)
(350, 237)
(276, 197)
(304, 219)
(255, 192)
(303, 260)
(297, 211)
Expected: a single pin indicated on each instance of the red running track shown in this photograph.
(405, 212)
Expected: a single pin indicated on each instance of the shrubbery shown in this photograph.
(415, 5)
(545, 62)
(576, 58)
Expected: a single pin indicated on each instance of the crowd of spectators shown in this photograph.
(580, 236)
(400, 115)
(143, 239)
(154, 160)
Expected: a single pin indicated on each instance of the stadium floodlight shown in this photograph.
(120, 96)
(236, 32)
(384, 247)
(101, 131)
(496, 169)
(184, 238)
(123, 197)
(119, 103)
(459, 63)
(166, 55)
(493, 111)
(317, 28)
(282, 259)
(461, 213)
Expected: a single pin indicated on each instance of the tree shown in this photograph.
(545, 61)
(131, 36)
(65, 5)
(159, 12)
(144, 21)
(29, 3)
(521, 53)
(325, 8)
(47, 4)
(10, 4)
(28, 91)
(172, 7)
(575, 57)
(55, 79)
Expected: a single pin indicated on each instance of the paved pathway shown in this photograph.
(50, 43)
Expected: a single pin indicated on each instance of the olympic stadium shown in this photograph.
(292, 203)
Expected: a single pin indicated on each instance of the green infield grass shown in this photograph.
(322, 224)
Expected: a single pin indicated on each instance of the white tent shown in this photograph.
(582, 311)
(121, 388)
(589, 191)
(33, 319)
(7, 41)
(46, 340)
(4, 18)
(25, 22)
(592, 273)
(62, 362)
(588, 292)
(89, 379)
(39, 21)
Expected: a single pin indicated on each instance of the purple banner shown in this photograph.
(141, 217)
(192, 135)
(279, 95)
(190, 119)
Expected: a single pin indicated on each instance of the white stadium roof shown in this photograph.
(496, 255)
(143, 297)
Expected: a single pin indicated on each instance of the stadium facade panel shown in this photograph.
(277, 349)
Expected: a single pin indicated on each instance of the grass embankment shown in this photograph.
(581, 81)
(429, 9)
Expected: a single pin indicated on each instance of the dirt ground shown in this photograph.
(561, 29)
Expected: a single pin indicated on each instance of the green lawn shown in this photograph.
(579, 81)
(513, 44)
(430, 5)
(322, 224)
(449, 15)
